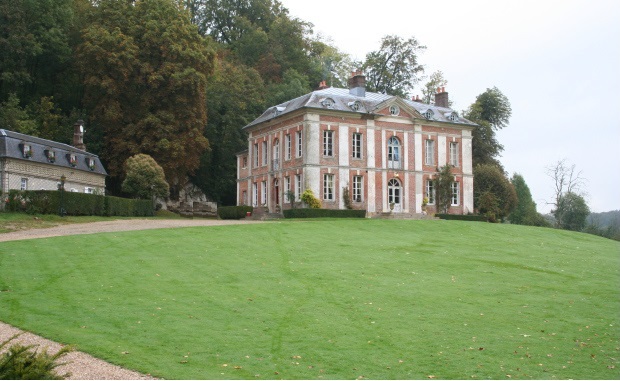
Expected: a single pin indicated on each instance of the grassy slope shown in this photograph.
(327, 299)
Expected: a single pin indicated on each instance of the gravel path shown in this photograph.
(83, 366)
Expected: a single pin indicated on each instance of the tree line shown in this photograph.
(178, 79)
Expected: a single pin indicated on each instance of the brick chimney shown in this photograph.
(323, 85)
(78, 135)
(441, 98)
(357, 84)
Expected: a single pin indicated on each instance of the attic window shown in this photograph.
(428, 114)
(394, 110)
(355, 106)
(452, 116)
(51, 155)
(91, 163)
(328, 103)
(72, 159)
(27, 151)
(278, 110)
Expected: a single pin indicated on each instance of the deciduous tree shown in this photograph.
(566, 180)
(525, 212)
(144, 178)
(443, 188)
(572, 212)
(490, 180)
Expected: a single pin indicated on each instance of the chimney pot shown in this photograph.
(357, 84)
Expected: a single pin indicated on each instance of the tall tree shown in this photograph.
(525, 212)
(572, 212)
(235, 97)
(443, 188)
(491, 111)
(566, 180)
(394, 69)
(491, 183)
(145, 71)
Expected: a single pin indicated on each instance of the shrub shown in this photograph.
(461, 217)
(233, 212)
(309, 199)
(319, 213)
(21, 363)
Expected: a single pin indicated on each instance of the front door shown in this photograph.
(394, 195)
(276, 191)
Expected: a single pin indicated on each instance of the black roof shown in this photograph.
(12, 146)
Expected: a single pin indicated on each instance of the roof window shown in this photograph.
(355, 106)
(394, 110)
(428, 114)
(328, 103)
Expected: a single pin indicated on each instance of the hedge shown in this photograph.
(76, 204)
(318, 213)
(461, 217)
(233, 212)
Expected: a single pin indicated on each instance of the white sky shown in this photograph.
(558, 62)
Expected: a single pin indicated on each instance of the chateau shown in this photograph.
(31, 163)
(384, 150)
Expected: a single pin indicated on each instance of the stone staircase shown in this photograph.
(262, 214)
(404, 216)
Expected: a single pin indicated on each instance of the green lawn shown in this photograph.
(331, 299)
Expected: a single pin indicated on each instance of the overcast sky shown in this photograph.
(558, 62)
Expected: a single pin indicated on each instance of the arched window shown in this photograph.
(393, 153)
(394, 192)
(276, 155)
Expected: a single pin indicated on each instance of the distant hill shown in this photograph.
(605, 219)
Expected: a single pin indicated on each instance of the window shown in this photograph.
(244, 198)
(24, 185)
(27, 151)
(357, 145)
(393, 153)
(394, 110)
(263, 193)
(328, 143)
(328, 186)
(355, 106)
(255, 155)
(51, 156)
(298, 190)
(72, 160)
(394, 191)
(429, 158)
(89, 190)
(430, 191)
(91, 164)
(428, 114)
(454, 154)
(287, 188)
(245, 162)
(298, 136)
(276, 155)
(455, 193)
(254, 194)
(264, 153)
(357, 188)
(328, 103)
(287, 142)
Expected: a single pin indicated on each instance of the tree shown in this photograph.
(572, 212)
(430, 88)
(394, 68)
(144, 178)
(145, 71)
(524, 212)
(566, 180)
(489, 181)
(491, 111)
(443, 188)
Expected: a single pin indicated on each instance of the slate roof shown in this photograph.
(11, 146)
(343, 100)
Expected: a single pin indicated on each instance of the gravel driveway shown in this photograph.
(80, 365)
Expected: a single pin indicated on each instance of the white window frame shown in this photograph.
(287, 140)
(256, 156)
(255, 194)
(244, 162)
(456, 193)
(328, 143)
(264, 153)
(244, 197)
(328, 186)
(394, 153)
(358, 189)
(287, 187)
(89, 190)
(430, 191)
(299, 137)
(263, 192)
(356, 143)
(454, 154)
(298, 187)
(429, 152)
(24, 183)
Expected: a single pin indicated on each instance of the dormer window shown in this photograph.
(91, 163)
(452, 116)
(394, 110)
(355, 106)
(72, 160)
(428, 114)
(51, 155)
(27, 151)
(328, 103)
